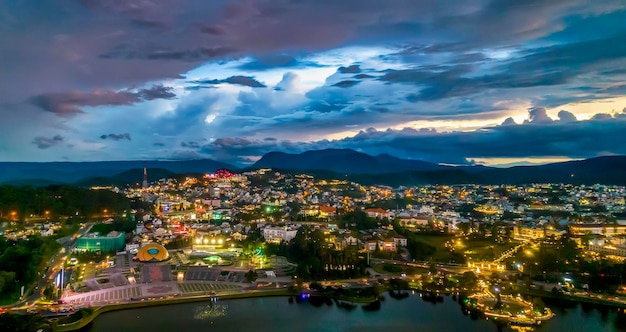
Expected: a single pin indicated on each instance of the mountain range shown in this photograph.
(80, 172)
(331, 163)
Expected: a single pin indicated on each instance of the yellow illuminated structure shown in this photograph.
(152, 252)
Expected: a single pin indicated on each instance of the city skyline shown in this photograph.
(465, 82)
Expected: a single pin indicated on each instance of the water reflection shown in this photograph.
(398, 295)
(211, 310)
(402, 311)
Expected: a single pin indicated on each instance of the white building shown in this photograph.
(278, 234)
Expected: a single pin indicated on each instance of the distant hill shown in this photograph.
(603, 170)
(130, 177)
(389, 170)
(31, 183)
(72, 172)
(342, 161)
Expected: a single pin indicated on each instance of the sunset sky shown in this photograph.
(459, 82)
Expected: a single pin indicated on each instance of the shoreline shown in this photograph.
(81, 323)
(97, 311)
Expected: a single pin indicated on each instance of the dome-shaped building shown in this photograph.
(152, 252)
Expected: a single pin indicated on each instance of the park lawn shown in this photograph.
(477, 250)
(436, 241)
(442, 254)
(485, 250)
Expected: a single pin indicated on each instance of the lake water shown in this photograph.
(412, 313)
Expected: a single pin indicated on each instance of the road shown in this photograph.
(54, 265)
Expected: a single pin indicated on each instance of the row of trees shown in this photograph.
(52, 201)
(21, 260)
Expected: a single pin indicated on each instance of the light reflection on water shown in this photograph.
(210, 310)
(398, 312)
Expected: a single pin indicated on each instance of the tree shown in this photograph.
(18, 322)
(50, 293)
(469, 279)
(251, 276)
(432, 267)
(465, 227)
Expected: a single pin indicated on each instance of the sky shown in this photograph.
(495, 82)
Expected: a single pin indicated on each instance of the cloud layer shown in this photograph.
(423, 79)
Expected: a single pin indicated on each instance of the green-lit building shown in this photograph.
(94, 242)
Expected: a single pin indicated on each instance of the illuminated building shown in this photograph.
(205, 239)
(278, 234)
(94, 242)
(152, 252)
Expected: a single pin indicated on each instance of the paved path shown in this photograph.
(151, 290)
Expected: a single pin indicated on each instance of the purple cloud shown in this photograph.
(46, 142)
(69, 103)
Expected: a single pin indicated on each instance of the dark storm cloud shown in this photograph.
(156, 92)
(116, 137)
(198, 87)
(46, 142)
(346, 84)
(191, 55)
(70, 103)
(325, 107)
(239, 80)
(190, 144)
(245, 81)
(353, 69)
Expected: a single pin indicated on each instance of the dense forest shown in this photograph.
(61, 200)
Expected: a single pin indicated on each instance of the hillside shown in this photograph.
(72, 172)
(342, 161)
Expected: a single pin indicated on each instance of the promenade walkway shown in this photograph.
(152, 290)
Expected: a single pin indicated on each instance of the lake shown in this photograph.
(412, 313)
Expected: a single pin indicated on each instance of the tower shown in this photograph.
(144, 184)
